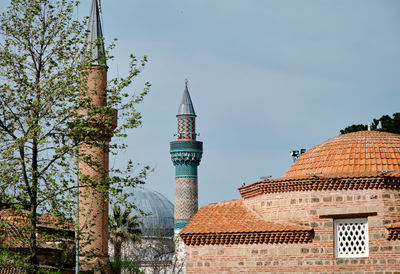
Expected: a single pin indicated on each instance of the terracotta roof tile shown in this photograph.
(44, 220)
(14, 228)
(349, 153)
(232, 216)
(234, 223)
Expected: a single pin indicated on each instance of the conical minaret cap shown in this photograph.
(95, 37)
(186, 107)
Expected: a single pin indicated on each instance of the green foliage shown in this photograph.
(44, 62)
(354, 128)
(128, 266)
(123, 228)
(388, 124)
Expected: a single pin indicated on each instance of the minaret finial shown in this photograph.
(95, 36)
(186, 106)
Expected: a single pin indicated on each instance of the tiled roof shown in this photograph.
(44, 220)
(15, 228)
(394, 231)
(318, 182)
(234, 223)
(362, 151)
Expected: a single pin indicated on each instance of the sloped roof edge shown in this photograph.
(321, 182)
(233, 222)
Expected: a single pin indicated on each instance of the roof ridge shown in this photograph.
(240, 200)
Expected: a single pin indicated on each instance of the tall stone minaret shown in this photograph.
(93, 215)
(186, 155)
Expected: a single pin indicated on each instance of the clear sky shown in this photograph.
(265, 77)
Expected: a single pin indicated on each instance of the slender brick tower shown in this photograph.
(93, 216)
(186, 155)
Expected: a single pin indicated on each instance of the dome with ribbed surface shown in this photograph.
(160, 221)
(357, 152)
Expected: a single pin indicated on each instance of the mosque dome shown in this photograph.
(160, 222)
(357, 152)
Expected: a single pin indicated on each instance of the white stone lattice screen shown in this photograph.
(351, 238)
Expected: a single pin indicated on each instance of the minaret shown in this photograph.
(93, 215)
(186, 155)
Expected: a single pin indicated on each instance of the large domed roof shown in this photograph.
(363, 151)
(160, 222)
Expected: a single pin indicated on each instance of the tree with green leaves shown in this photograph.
(385, 123)
(43, 59)
(124, 227)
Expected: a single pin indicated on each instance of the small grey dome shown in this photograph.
(160, 222)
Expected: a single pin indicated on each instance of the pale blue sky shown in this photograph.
(265, 77)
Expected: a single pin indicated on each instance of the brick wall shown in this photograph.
(93, 215)
(289, 258)
(306, 208)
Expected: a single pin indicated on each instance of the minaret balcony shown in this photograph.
(186, 157)
(186, 145)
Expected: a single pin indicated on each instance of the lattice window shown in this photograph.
(351, 238)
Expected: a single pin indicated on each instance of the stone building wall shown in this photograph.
(310, 209)
(316, 257)
(306, 207)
